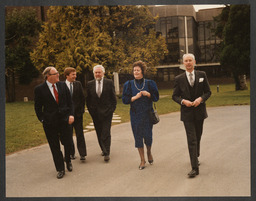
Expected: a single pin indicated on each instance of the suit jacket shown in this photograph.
(47, 109)
(105, 105)
(78, 98)
(182, 91)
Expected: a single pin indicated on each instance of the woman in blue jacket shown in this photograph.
(140, 94)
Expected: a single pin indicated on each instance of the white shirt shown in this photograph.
(68, 84)
(51, 88)
(101, 85)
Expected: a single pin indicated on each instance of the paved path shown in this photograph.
(224, 170)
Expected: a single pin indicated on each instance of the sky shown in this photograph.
(205, 6)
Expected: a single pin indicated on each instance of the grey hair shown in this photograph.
(188, 54)
(99, 66)
(47, 71)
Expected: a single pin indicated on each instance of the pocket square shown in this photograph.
(201, 79)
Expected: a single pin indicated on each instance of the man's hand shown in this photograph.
(187, 103)
(197, 102)
(71, 119)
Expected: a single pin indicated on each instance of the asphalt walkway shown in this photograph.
(224, 169)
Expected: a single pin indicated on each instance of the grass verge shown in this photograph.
(23, 130)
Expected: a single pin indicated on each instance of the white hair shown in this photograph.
(99, 66)
(188, 54)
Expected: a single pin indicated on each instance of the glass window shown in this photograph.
(181, 27)
(190, 45)
(201, 32)
(189, 27)
(163, 28)
(182, 47)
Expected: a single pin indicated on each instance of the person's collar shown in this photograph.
(100, 79)
(68, 82)
(49, 83)
(193, 72)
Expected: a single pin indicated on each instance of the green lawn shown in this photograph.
(23, 130)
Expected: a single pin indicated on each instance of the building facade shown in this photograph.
(187, 31)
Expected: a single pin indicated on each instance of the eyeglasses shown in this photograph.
(54, 73)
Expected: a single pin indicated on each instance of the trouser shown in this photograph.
(56, 134)
(102, 127)
(80, 140)
(194, 130)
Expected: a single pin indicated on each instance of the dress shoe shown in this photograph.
(60, 174)
(69, 166)
(72, 157)
(141, 167)
(82, 158)
(198, 163)
(193, 173)
(151, 162)
(102, 154)
(106, 158)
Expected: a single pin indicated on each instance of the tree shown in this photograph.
(21, 28)
(82, 36)
(235, 51)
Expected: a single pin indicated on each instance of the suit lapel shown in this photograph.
(196, 81)
(94, 88)
(74, 88)
(48, 92)
(186, 84)
(103, 87)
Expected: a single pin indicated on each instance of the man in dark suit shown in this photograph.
(101, 104)
(53, 107)
(78, 98)
(191, 90)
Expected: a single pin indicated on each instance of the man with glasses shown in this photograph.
(54, 109)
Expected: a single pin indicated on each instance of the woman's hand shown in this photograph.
(145, 93)
(138, 95)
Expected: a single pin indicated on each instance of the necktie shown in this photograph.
(191, 79)
(71, 88)
(99, 89)
(55, 94)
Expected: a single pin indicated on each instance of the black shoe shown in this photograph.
(106, 158)
(72, 157)
(102, 154)
(60, 174)
(198, 163)
(82, 158)
(151, 162)
(193, 173)
(69, 166)
(142, 167)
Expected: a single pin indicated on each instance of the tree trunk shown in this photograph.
(10, 86)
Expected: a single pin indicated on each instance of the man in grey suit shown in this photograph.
(191, 90)
(78, 98)
(101, 104)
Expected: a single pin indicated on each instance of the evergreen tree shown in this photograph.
(235, 52)
(21, 28)
(82, 36)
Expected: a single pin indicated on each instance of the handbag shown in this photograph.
(154, 115)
